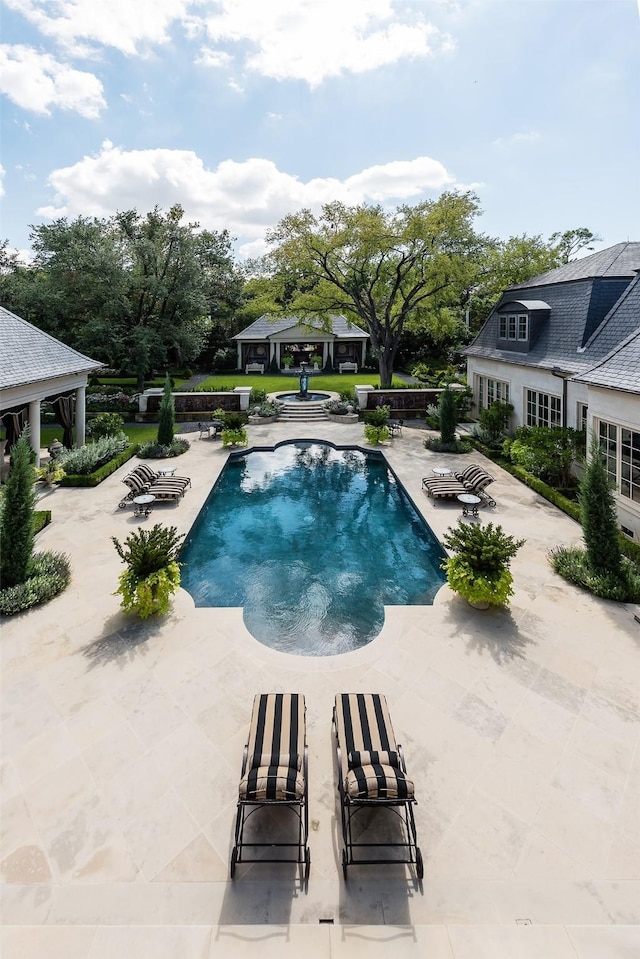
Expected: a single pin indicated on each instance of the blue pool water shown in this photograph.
(313, 542)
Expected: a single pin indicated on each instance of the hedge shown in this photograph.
(630, 549)
(41, 518)
(94, 479)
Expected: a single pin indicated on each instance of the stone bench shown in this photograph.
(347, 367)
(254, 368)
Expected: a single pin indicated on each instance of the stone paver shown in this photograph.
(122, 743)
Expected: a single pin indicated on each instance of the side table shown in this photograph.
(469, 502)
(142, 505)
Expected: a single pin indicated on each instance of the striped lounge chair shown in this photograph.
(138, 487)
(152, 477)
(372, 773)
(473, 479)
(274, 774)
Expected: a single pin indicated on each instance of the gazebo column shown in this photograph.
(239, 355)
(34, 428)
(81, 418)
(278, 353)
(325, 354)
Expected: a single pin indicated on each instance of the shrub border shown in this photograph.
(629, 549)
(94, 479)
(41, 518)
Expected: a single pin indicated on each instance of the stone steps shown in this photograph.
(311, 412)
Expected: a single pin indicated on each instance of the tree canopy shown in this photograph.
(139, 292)
(381, 270)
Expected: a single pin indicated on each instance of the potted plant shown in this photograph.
(316, 359)
(287, 361)
(153, 571)
(375, 425)
(233, 431)
(479, 568)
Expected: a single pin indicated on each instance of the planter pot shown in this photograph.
(478, 605)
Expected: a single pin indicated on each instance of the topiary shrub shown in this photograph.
(599, 517)
(448, 417)
(153, 571)
(166, 416)
(16, 519)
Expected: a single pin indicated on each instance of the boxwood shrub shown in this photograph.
(94, 479)
(41, 518)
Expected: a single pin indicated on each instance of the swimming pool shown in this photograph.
(312, 541)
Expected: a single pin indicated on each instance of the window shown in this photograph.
(488, 390)
(581, 419)
(543, 409)
(514, 326)
(621, 449)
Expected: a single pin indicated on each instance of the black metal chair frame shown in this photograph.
(350, 808)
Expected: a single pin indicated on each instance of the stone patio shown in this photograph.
(122, 744)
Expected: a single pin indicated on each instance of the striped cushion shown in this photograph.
(288, 761)
(272, 783)
(277, 727)
(367, 758)
(364, 723)
(378, 781)
(151, 476)
(136, 484)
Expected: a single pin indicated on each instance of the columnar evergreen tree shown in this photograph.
(16, 521)
(448, 417)
(598, 514)
(166, 416)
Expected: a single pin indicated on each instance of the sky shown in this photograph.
(243, 111)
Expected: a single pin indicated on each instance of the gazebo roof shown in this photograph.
(30, 355)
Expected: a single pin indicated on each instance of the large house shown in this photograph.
(564, 349)
(270, 339)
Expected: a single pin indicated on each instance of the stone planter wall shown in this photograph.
(342, 417)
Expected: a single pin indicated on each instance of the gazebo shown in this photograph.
(36, 367)
(270, 338)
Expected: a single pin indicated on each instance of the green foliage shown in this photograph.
(382, 269)
(153, 571)
(377, 417)
(479, 569)
(232, 421)
(598, 514)
(154, 451)
(572, 563)
(234, 436)
(456, 446)
(494, 420)
(16, 518)
(545, 451)
(87, 459)
(376, 434)
(41, 518)
(166, 417)
(257, 396)
(105, 424)
(100, 474)
(48, 575)
(448, 417)
(50, 473)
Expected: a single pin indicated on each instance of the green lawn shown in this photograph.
(272, 383)
(132, 381)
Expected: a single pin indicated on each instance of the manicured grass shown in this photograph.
(132, 381)
(272, 383)
(137, 434)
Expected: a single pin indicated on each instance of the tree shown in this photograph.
(166, 416)
(448, 417)
(569, 243)
(379, 269)
(598, 515)
(16, 521)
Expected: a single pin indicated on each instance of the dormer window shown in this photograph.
(514, 327)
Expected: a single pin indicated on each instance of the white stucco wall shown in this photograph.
(623, 409)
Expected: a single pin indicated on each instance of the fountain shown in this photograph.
(304, 382)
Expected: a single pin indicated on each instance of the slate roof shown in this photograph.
(620, 370)
(29, 355)
(265, 326)
(580, 304)
(623, 319)
(621, 260)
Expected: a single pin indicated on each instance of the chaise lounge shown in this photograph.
(139, 487)
(474, 479)
(274, 776)
(372, 774)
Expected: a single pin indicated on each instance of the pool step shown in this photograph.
(302, 412)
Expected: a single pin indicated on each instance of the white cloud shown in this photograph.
(529, 137)
(311, 40)
(37, 82)
(306, 40)
(126, 25)
(246, 198)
